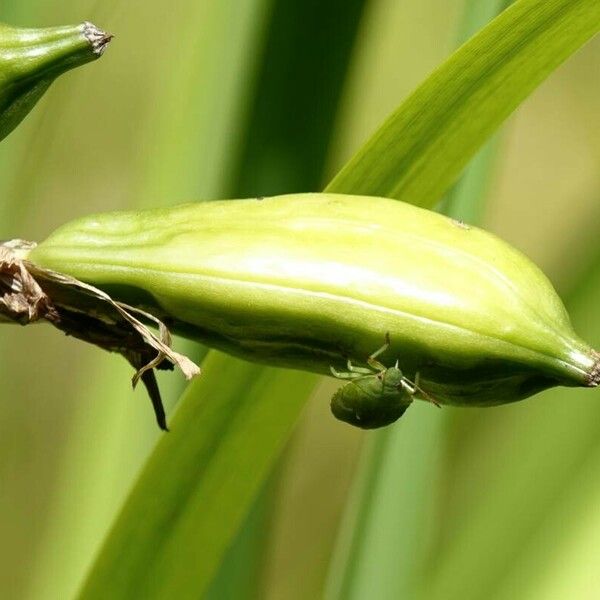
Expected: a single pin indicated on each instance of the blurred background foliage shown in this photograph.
(173, 113)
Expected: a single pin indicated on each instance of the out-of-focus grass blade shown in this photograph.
(298, 89)
(530, 492)
(386, 532)
(200, 116)
(476, 15)
(285, 84)
(384, 538)
(111, 430)
(534, 475)
(35, 411)
(239, 576)
(465, 198)
(556, 547)
(199, 483)
(422, 148)
(283, 155)
(472, 184)
(519, 50)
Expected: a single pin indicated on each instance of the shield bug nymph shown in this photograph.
(375, 395)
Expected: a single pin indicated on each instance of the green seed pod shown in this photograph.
(311, 280)
(31, 59)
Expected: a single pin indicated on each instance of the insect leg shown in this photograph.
(413, 388)
(361, 370)
(383, 348)
(342, 375)
(409, 386)
(375, 364)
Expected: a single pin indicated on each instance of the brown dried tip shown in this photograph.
(98, 39)
(594, 380)
(29, 293)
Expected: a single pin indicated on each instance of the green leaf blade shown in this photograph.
(422, 147)
(199, 473)
(268, 417)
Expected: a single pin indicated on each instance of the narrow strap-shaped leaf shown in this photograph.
(383, 543)
(199, 482)
(549, 449)
(422, 148)
(278, 154)
(283, 155)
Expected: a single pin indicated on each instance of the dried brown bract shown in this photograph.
(29, 293)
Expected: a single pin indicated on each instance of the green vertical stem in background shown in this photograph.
(34, 414)
(477, 14)
(472, 184)
(239, 576)
(383, 539)
(297, 94)
(206, 82)
(387, 531)
(279, 154)
(558, 556)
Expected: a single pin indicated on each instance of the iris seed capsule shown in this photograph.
(31, 59)
(311, 281)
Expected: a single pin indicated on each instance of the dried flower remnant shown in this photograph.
(29, 293)
(98, 39)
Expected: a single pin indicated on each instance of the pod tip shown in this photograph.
(594, 377)
(96, 37)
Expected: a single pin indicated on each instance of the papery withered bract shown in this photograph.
(310, 280)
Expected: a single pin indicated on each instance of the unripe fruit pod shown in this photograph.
(31, 59)
(310, 280)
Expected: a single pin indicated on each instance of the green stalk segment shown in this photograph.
(310, 280)
(31, 59)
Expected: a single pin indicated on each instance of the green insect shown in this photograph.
(376, 395)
